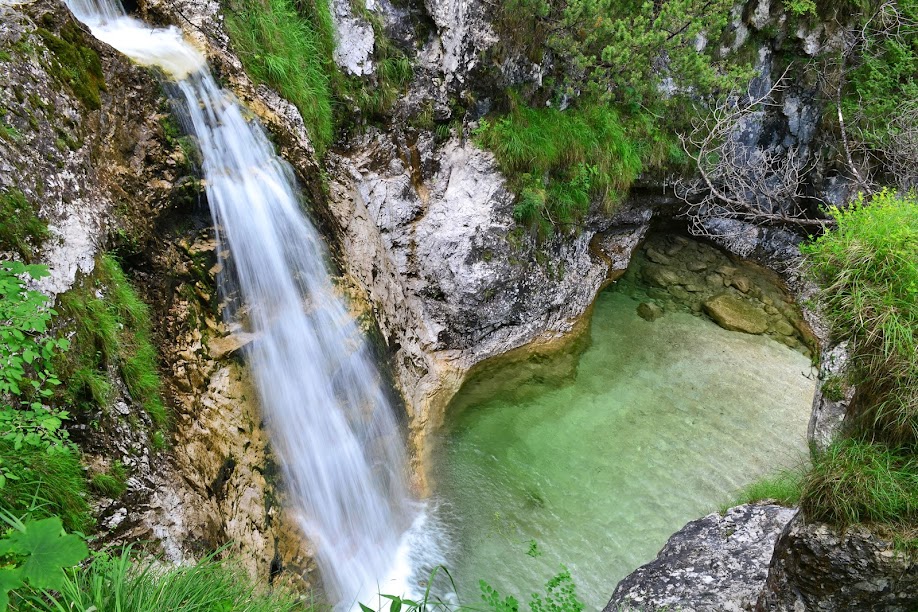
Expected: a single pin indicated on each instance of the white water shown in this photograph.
(331, 424)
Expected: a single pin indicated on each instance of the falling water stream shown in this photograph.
(331, 424)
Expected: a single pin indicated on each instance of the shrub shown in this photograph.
(868, 270)
(287, 51)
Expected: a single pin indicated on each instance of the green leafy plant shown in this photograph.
(27, 376)
(34, 554)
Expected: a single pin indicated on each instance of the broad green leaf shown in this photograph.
(47, 550)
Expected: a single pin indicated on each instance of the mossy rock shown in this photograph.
(736, 314)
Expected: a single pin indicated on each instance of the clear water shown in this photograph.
(600, 458)
(331, 424)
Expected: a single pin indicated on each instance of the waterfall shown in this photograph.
(330, 422)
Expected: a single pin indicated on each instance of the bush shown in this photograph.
(855, 481)
(868, 270)
(292, 54)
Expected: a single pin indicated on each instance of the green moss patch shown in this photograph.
(22, 230)
(75, 63)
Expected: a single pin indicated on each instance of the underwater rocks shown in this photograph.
(716, 563)
(677, 273)
(735, 314)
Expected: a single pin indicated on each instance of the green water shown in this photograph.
(600, 459)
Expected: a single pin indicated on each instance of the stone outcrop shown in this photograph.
(819, 568)
(430, 235)
(714, 564)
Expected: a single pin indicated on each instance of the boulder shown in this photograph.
(716, 563)
(736, 314)
(820, 568)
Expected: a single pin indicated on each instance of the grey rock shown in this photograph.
(820, 568)
(354, 40)
(716, 563)
(828, 415)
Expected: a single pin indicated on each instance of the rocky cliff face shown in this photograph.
(821, 568)
(87, 137)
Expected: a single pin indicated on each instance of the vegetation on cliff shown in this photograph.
(868, 270)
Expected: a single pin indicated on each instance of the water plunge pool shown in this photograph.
(592, 458)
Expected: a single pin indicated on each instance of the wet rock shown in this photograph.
(741, 283)
(697, 266)
(679, 293)
(229, 345)
(714, 564)
(714, 280)
(736, 314)
(661, 276)
(649, 311)
(657, 257)
(784, 328)
(820, 568)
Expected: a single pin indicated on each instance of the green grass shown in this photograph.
(49, 484)
(291, 53)
(559, 161)
(21, 229)
(111, 484)
(855, 481)
(113, 329)
(120, 583)
(868, 270)
(783, 487)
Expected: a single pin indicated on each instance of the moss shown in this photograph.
(111, 328)
(75, 64)
(22, 230)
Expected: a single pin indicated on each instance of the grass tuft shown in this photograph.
(559, 161)
(855, 481)
(120, 583)
(783, 488)
(868, 270)
(48, 484)
(112, 328)
(292, 54)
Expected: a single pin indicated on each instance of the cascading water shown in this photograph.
(330, 422)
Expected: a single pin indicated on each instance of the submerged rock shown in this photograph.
(817, 567)
(735, 314)
(716, 563)
(649, 311)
